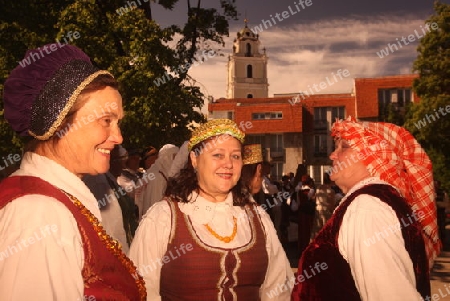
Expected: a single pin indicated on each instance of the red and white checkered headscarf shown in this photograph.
(391, 153)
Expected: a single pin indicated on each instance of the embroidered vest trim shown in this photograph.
(114, 277)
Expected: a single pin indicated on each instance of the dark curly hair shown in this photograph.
(181, 186)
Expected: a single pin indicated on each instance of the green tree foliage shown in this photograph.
(429, 120)
(126, 41)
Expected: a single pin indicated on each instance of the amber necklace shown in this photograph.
(225, 239)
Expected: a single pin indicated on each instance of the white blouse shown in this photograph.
(41, 252)
(371, 241)
(152, 236)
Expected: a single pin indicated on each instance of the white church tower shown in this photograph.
(247, 67)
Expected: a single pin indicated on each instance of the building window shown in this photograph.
(248, 49)
(249, 95)
(402, 96)
(267, 115)
(337, 112)
(230, 115)
(276, 142)
(276, 147)
(320, 145)
(276, 115)
(320, 118)
(249, 71)
(325, 116)
(258, 116)
(392, 104)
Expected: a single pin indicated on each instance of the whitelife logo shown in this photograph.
(37, 55)
(391, 48)
(25, 243)
(283, 16)
(422, 123)
(11, 159)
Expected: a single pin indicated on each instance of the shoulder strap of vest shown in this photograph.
(14, 187)
(173, 206)
(17, 186)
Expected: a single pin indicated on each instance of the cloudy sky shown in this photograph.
(308, 46)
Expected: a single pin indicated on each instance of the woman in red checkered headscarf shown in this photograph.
(382, 239)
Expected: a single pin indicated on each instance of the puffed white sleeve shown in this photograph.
(41, 252)
(149, 246)
(277, 284)
(371, 241)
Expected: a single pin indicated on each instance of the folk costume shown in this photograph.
(382, 239)
(203, 259)
(200, 250)
(52, 242)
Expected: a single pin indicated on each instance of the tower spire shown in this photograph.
(247, 66)
(245, 19)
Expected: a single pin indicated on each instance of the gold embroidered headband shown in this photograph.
(252, 154)
(215, 127)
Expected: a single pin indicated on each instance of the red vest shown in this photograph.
(203, 272)
(336, 282)
(107, 273)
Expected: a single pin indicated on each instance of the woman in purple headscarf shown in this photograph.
(52, 243)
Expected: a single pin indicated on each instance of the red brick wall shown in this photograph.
(244, 108)
(366, 92)
(291, 122)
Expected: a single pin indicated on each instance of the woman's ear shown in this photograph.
(193, 159)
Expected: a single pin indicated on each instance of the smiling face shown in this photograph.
(85, 147)
(218, 167)
(348, 169)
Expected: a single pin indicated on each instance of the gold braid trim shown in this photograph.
(112, 245)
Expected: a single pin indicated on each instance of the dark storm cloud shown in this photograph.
(331, 9)
(329, 35)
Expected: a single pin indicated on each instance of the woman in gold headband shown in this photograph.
(204, 240)
(251, 174)
(50, 231)
(381, 240)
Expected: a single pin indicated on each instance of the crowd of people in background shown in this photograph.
(296, 202)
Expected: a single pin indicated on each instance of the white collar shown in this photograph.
(202, 211)
(362, 183)
(48, 170)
